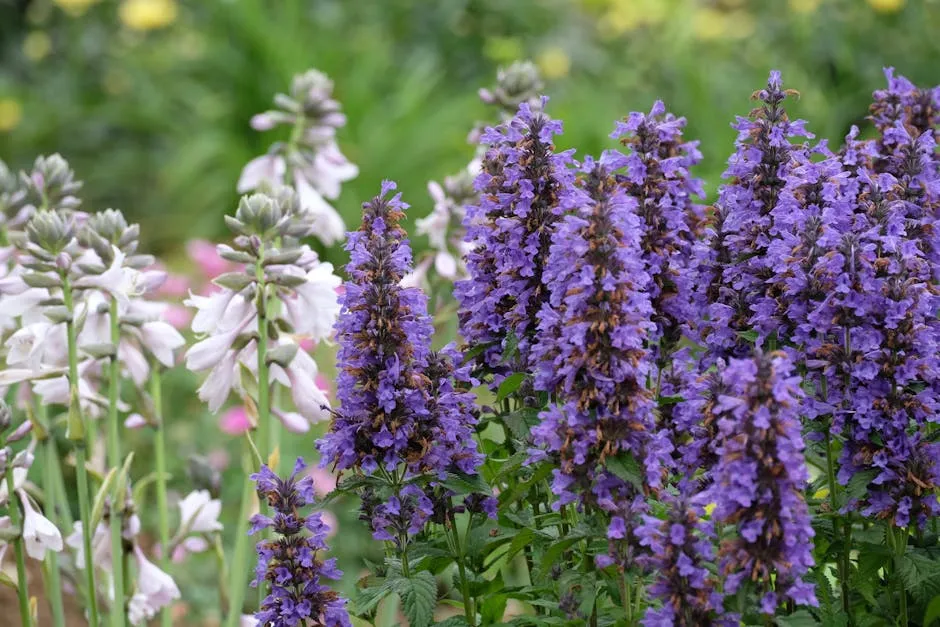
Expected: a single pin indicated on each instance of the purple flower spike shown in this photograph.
(290, 562)
(734, 267)
(522, 189)
(759, 481)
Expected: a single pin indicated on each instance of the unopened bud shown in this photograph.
(20, 432)
(63, 261)
(6, 416)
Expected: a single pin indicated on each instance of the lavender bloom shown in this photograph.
(902, 106)
(384, 336)
(658, 179)
(401, 403)
(290, 562)
(735, 271)
(522, 193)
(680, 549)
(877, 346)
(591, 351)
(759, 482)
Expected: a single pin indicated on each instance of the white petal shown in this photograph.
(162, 339)
(268, 168)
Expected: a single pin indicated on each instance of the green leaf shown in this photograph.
(462, 483)
(801, 618)
(418, 597)
(920, 574)
(858, 484)
(512, 347)
(749, 336)
(509, 385)
(520, 422)
(626, 467)
(453, 621)
(932, 613)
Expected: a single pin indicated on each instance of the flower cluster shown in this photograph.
(680, 548)
(658, 179)
(759, 481)
(523, 186)
(240, 314)
(734, 270)
(591, 351)
(310, 161)
(291, 562)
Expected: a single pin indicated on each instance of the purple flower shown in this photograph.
(760, 478)
(902, 108)
(404, 408)
(734, 267)
(522, 189)
(592, 357)
(290, 562)
(680, 548)
(657, 178)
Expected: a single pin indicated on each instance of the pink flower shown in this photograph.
(178, 316)
(331, 521)
(235, 421)
(175, 286)
(324, 481)
(207, 258)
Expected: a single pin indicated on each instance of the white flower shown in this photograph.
(26, 347)
(445, 264)
(199, 512)
(18, 375)
(100, 545)
(19, 479)
(210, 351)
(161, 339)
(118, 280)
(292, 421)
(39, 533)
(311, 401)
(248, 621)
(314, 308)
(209, 309)
(155, 590)
(218, 385)
(270, 168)
(329, 169)
(329, 227)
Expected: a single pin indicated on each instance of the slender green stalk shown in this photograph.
(78, 440)
(900, 547)
(469, 611)
(264, 386)
(239, 565)
(22, 590)
(159, 446)
(52, 575)
(114, 460)
(627, 602)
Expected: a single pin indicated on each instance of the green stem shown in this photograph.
(900, 547)
(116, 520)
(264, 387)
(77, 434)
(52, 575)
(464, 582)
(22, 588)
(239, 566)
(159, 447)
(627, 602)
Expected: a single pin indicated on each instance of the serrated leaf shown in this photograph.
(418, 597)
(626, 467)
(858, 484)
(520, 422)
(509, 385)
(748, 336)
(461, 483)
(453, 621)
(510, 349)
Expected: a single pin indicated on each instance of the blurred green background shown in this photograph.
(150, 101)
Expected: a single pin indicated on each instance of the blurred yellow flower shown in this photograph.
(709, 509)
(147, 14)
(37, 45)
(11, 112)
(554, 62)
(712, 24)
(887, 6)
(821, 493)
(623, 16)
(74, 7)
(805, 7)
